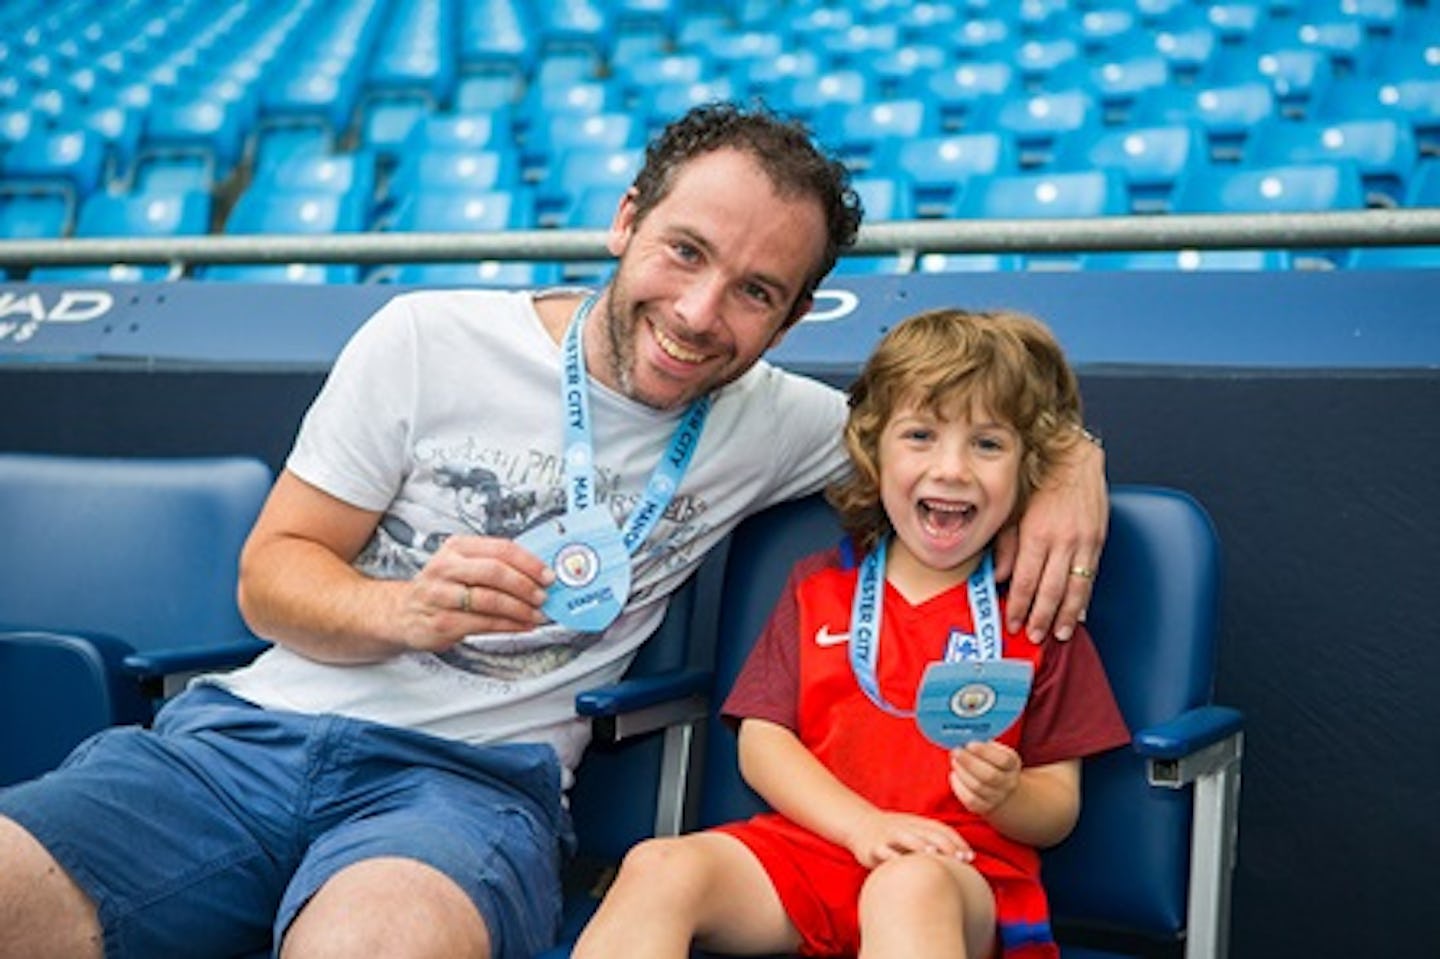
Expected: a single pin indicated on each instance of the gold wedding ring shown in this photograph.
(464, 599)
(1084, 572)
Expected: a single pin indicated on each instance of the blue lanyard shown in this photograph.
(866, 616)
(579, 459)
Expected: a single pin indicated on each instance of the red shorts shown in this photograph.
(819, 883)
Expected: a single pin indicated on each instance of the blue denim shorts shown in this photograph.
(208, 834)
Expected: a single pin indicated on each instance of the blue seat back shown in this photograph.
(102, 558)
(143, 550)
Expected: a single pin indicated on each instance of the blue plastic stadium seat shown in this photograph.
(1044, 195)
(959, 90)
(663, 104)
(441, 169)
(133, 215)
(1226, 112)
(885, 196)
(492, 129)
(497, 35)
(575, 25)
(1040, 57)
(969, 262)
(1117, 81)
(70, 161)
(202, 128)
(1340, 37)
(1382, 148)
(418, 53)
(1151, 158)
(1395, 258)
(1039, 121)
(939, 166)
(579, 171)
(1424, 188)
(556, 135)
(1298, 76)
(807, 95)
(261, 209)
(857, 131)
(487, 273)
(126, 576)
(894, 68)
(441, 210)
(34, 216)
(759, 77)
(1187, 260)
(1416, 99)
(487, 92)
(1293, 188)
(1188, 46)
(302, 273)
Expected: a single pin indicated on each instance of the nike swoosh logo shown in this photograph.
(823, 637)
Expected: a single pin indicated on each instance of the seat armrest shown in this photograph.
(644, 704)
(159, 663)
(1188, 733)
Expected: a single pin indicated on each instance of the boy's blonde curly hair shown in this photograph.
(955, 362)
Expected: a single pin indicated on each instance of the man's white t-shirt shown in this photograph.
(444, 413)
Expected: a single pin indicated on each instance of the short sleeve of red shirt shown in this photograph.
(1072, 712)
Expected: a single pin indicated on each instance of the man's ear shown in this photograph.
(622, 226)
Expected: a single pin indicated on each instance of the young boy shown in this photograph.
(882, 842)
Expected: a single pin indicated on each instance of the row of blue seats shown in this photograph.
(167, 104)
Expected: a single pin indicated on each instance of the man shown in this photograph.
(389, 776)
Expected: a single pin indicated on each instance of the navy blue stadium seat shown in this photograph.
(1149, 866)
(115, 574)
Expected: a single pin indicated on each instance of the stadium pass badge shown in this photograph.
(971, 699)
(591, 564)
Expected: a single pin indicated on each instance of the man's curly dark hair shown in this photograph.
(783, 148)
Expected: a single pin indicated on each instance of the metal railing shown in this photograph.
(1351, 228)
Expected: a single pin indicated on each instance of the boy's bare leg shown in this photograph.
(43, 913)
(705, 887)
(926, 905)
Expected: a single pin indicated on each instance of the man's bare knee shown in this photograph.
(388, 907)
(42, 911)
